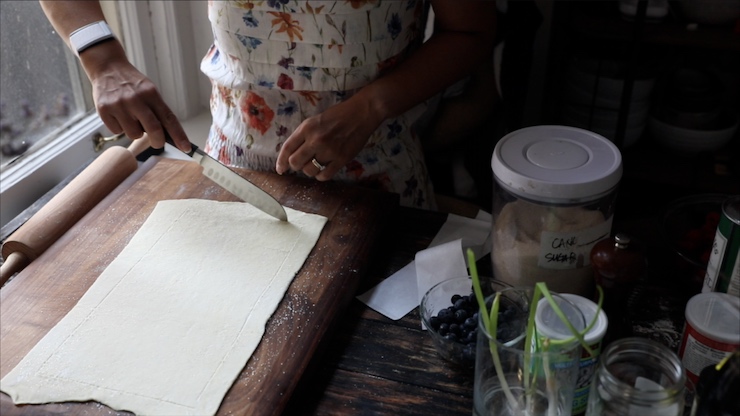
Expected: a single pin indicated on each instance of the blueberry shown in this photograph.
(455, 329)
(451, 337)
(444, 328)
(444, 316)
(463, 332)
(470, 323)
(462, 304)
(505, 313)
(461, 315)
(505, 333)
(455, 298)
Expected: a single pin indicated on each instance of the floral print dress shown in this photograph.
(274, 63)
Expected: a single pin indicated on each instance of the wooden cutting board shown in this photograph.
(41, 295)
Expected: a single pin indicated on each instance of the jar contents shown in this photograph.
(539, 243)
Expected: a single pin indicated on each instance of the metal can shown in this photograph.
(710, 332)
(723, 269)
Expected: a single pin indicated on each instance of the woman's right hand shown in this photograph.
(126, 100)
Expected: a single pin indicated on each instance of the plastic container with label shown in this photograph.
(554, 195)
(550, 326)
(711, 331)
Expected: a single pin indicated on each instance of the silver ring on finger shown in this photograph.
(318, 164)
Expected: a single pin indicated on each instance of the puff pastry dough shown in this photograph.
(171, 322)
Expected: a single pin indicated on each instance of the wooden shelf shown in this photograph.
(651, 163)
(602, 21)
(653, 175)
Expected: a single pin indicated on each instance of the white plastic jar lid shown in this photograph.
(557, 164)
(545, 317)
(715, 315)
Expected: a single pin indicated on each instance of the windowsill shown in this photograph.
(196, 128)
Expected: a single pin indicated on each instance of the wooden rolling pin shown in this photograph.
(66, 208)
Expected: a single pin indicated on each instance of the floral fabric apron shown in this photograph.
(274, 63)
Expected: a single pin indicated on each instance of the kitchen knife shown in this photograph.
(234, 183)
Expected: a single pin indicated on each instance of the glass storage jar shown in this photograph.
(554, 195)
(637, 377)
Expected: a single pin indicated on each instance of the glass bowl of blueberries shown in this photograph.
(449, 312)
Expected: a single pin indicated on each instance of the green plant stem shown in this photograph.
(531, 345)
(491, 326)
(550, 385)
(494, 354)
(531, 338)
(477, 289)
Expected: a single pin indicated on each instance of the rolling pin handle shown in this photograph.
(142, 150)
(15, 262)
(67, 207)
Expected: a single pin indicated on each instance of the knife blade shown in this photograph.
(234, 183)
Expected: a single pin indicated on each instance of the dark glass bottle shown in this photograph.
(618, 264)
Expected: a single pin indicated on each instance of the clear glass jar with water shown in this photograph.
(516, 376)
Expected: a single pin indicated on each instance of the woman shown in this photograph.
(332, 89)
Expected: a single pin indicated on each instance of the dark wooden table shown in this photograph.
(372, 365)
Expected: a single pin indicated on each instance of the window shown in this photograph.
(42, 87)
(47, 108)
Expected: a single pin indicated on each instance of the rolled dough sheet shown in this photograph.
(171, 322)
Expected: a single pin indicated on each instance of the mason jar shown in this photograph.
(637, 377)
(554, 195)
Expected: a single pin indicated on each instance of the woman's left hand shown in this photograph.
(324, 143)
(463, 37)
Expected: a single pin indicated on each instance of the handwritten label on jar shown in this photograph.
(571, 250)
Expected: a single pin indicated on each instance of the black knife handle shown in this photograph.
(169, 140)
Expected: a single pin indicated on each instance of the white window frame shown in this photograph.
(159, 40)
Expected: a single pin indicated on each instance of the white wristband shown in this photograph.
(88, 36)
